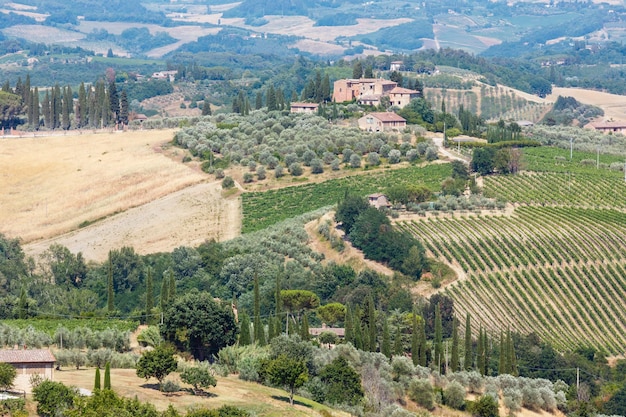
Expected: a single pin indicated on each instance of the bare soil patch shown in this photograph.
(262, 400)
(350, 255)
(53, 184)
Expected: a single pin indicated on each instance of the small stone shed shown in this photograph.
(28, 362)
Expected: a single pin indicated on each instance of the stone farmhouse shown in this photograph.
(370, 91)
(381, 122)
(304, 107)
(28, 362)
(607, 127)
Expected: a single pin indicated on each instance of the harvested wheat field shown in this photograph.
(261, 400)
(52, 185)
(614, 105)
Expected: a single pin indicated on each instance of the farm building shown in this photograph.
(607, 127)
(369, 91)
(28, 362)
(401, 97)
(304, 107)
(383, 121)
(378, 200)
(316, 331)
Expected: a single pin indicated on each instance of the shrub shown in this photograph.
(260, 173)
(335, 165)
(199, 377)
(421, 391)
(454, 395)
(295, 169)
(248, 177)
(227, 183)
(512, 399)
(219, 173)
(7, 375)
(485, 406)
(52, 398)
(373, 158)
(317, 166)
(394, 156)
(355, 161)
(170, 387)
(278, 171)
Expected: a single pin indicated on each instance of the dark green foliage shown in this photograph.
(223, 411)
(342, 383)
(421, 391)
(483, 160)
(198, 377)
(259, 329)
(616, 405)
(288, 372)
(469, 357)
(53, 398)
(485, 406)
(197, 324)
(385, 345)
(454, 356)
(439, 359)
(98, 380)
(349, 210)
(157, 363)
(7, 376)
(107, 376)
(149, 297)
(244, 331)
(418, 111)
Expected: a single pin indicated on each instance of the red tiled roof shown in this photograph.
(400, 90)
(26, 356)
(388, 117)
(608, 125)
(297, 104)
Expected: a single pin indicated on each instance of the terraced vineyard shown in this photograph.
(556, 267)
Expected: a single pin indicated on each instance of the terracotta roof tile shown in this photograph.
(26, 355)
(388, 117)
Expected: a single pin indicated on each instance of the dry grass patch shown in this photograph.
(614, 105)
(51, 185)
(262, 400)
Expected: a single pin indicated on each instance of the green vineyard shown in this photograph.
(556, 266)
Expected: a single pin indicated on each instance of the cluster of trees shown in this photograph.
(506, 160)
(97, 106)
(568, 110)
(369, 229)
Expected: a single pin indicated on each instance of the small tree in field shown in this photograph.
(7, 376)
(287, 372)
(157, 363)
(198, 377)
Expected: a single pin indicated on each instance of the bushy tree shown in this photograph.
(421, 391)
(288, 372)
(485, 406)
(7, 376)
(53, 398)
(199, 325)
(157, 363)
(198, 377)
(342, 382)
(454, 395)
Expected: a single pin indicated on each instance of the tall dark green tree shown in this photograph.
(423, 358)
(415, 341)
(385, 345)
(468, 362)
(349, 326)
(304, 328)
(502, 360)
(271, 99)
(114, 102)
(124, 109)
(97, 382)
(45, 108)
(244, 331)
(371, 323)
(107, 376)
(357, 70)
(439, 359)
(259, 331)
(149, 297)
(454, 359)
(81, 111)
(164, 297)
(110, 292)
(206, 108)
(67, 104)
(258, 102)
(172, 287)
(398, 349)
(480, 353)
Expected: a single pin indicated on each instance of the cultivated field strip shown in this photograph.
(557, 271)
(573, 189)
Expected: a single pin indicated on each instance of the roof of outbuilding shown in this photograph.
(26, 356)
(387, 117)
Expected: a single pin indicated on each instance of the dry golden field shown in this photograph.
(614, 105)
(51, 185)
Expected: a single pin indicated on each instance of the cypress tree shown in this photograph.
(259, 331)
(114, 102)
(358, 333)
(278, 301)
(124, 107)
(326, 88)
(164, 294)
(454, 360)
(371, 321)
(55, 106)
(349, 326)
(439, 359)
(23, 305)
(271, 99)
(415, 342)
(502, 365)
(467, 363)
(244, 333)
(81, 113)
(149, 297)
(66, 107)
(206, 108)
(397, 342)
(107, 376)
(304, 329)
(271, 327)
(480, 354)
(486, 351)
(35, 108)
(423, 359)
(385, 346)
(171, 294)
(258, 102)
(45, 107)
(96, 384)
(512, 360)
(110, 292)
